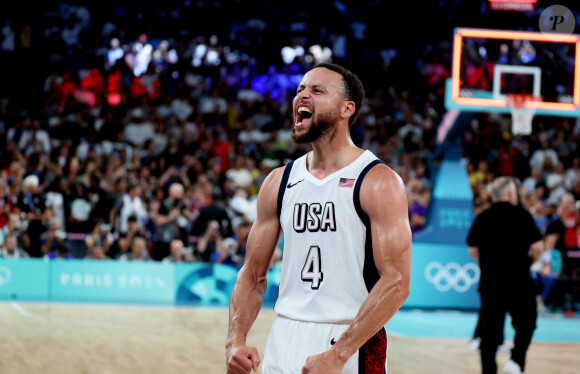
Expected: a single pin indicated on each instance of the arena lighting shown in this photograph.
(517, 35)
(516, 5)
(514, 1)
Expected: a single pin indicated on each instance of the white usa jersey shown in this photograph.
(327, 264)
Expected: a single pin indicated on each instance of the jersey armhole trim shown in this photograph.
(282, 188)
(356, 193)
(370, 271)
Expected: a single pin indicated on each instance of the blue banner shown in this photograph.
(443, 276)
(23, 279)
(451, 208)
(204, 284)
(112, 281)
(212, 285)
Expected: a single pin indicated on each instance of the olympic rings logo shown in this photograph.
(5, 275)
(452, 275)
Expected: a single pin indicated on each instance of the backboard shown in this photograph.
(488, 64)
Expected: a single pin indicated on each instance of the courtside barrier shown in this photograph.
(443, 276)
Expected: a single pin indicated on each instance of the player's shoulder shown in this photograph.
(382, 175)
(381, 187)
(273, 179)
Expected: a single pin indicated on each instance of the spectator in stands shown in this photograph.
(234, 247)
(6, 203)
(138, 250)
(131, 205)
(573, 174)
(544, 157)
(171, 221)
(114, 53)
(213, 106)
(53, 237)
(546, 272)
(209, 245)
(196, 199)
(139, 129)
(10, 248)
(480, 173)
(250, 136)
(556, 183)
(99, 239)
(14, 227)
(565, 224)
(61, 251)
(238, 205)
(536, 177)
(538, 207)
(58, 196)
(214, 211)
(239, 173)
(97, 253)
(173, 154)
(558, 229)
(178, 255)
(263, 117)
(35, 139)
(80, 210)
(31, 204)
(140, 55)
(120, 246)
(418, 208)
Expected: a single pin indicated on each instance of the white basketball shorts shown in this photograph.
(291, 342)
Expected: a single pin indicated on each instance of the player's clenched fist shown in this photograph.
(241, 360)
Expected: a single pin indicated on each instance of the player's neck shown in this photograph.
(331, 154)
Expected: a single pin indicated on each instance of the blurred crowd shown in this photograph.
(141, 146)
(145, 133)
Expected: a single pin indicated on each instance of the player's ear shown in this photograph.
(348, 109)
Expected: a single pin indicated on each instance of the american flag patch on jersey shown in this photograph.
(345, 182)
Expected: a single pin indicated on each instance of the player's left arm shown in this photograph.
(384, 199)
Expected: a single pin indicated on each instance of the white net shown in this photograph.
(522, 115)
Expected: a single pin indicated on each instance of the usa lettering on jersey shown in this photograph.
(314, 217)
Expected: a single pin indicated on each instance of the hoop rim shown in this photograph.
(517, 100)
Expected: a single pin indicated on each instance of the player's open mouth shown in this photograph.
(303, 113)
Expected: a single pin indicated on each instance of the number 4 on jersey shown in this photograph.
(311, 272)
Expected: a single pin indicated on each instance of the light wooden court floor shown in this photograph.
(93, 338)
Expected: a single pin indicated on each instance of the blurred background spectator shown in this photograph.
(10, 248)
(178, 253)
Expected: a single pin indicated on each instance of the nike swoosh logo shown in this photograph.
(290, 185)
(332, 341)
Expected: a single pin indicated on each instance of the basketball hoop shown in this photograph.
(521, 114)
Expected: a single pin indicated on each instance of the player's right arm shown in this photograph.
(248, 293)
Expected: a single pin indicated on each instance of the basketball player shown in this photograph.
(347, 245)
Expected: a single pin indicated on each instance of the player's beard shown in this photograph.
(319, 126)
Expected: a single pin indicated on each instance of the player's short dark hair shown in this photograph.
(353, 88)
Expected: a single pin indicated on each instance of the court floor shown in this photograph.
(112, 338)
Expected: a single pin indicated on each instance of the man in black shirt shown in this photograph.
(505, 240)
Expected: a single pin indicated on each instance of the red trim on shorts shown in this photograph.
(373, 354)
